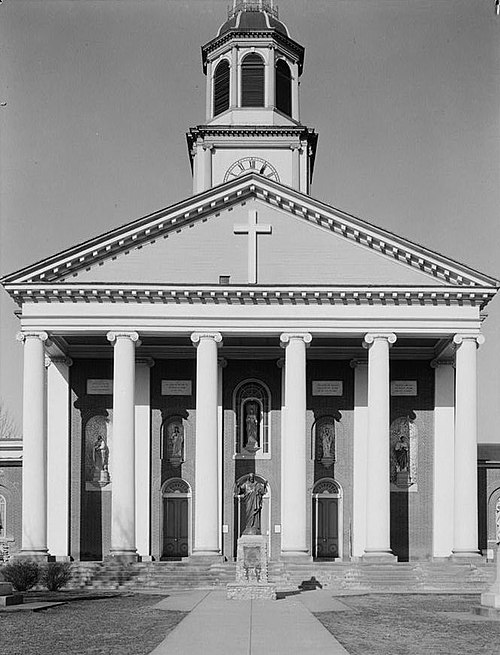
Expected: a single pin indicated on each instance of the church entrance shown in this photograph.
(326, 520)
(175, 519)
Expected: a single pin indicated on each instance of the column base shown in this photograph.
(295, 556)
(464, 556)
(122, 556)
(379, 557)
(35, 555)
(206, 557)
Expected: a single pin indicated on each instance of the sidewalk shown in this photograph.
(216, 626)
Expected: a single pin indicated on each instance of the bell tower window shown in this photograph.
(283, 88)
(221, 87)
(252, 81)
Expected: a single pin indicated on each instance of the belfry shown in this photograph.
(250, 335)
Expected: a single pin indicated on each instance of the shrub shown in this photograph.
(22, 574)
(55, 575)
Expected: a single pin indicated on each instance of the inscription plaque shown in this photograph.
(176, 388)
(404, 388)
(99, 387)
(327, 388)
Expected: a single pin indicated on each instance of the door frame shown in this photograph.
(328, 488)
(183, 491)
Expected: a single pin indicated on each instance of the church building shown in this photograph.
(250, 329)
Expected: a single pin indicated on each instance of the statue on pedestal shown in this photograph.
(251, 492)
(101, 460)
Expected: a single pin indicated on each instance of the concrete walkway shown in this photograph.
(216, 626)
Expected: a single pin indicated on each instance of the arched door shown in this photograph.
(327, 520)
(176, 498)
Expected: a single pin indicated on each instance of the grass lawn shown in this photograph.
(387, 624)
(91, 624)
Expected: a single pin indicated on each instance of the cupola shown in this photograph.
(253, 68)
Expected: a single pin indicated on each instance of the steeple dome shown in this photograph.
(253, 15)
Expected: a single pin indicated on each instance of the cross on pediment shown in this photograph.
(252, 229)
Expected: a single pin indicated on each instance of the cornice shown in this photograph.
(249, 294)
(246, 35)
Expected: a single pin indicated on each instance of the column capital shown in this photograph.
(370, 338)
(32, 334)
(145, 361)
(113, 336)
(458, 339)
(437, 363)
(196, 337)
(354, 363)
(286, 337)
(57, 359)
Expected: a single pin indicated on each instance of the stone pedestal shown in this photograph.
(251, 570)
(7, 597)
(490, 600)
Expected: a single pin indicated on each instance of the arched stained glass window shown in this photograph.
(283, 88)
(252, 81)
(252, 404)
(221, 87)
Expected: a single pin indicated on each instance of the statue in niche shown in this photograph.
(325, 440)
(97, 451)
(175, 442)
(251, 493)
(403, 450)
(251, 426)
(101, 460)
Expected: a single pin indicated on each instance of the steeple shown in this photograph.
(252, 117)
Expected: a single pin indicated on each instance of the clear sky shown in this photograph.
(405, 95)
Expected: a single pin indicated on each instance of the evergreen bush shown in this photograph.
(22, 574)
(56, 575)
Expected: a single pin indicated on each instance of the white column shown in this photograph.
(378, 529)
(233, 81)
(294, 447)
(142, 457)
(123, 454)
(222, 363)
(58, 460)
(206, 522)
(465, 540)
(207, 167)
(295, 166)
(34, 504)
(295, 92)
(209, 92)
(270, 80)
(360, 460)
(444, 448)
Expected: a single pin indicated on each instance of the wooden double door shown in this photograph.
(326, 527)
(175, 527)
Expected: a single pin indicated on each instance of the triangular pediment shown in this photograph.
(196, 242)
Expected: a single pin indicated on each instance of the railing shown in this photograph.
(253, 5)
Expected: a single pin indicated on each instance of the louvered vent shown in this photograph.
(252, 81)
(221, 87)
(283, 88)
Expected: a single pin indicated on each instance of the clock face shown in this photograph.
(251, 164)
